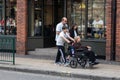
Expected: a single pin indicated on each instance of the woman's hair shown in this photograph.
(74, 25)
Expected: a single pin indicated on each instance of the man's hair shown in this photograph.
(64, 27)
(73, 25)
(64, 18)
(97, 16)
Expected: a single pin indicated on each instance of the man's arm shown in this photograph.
(58, 32)
(65, 39)
(70, 37)
(58, 29)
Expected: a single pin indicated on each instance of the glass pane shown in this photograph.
(35, 17)
(1, 17)
(96, 19)
(78, 16)
(1, 1)
(10, 28)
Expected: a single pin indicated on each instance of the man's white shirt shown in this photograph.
(59, 29)
(96, 24)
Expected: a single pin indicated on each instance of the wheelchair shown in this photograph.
(79, 57)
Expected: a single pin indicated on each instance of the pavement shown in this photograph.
(35, 64)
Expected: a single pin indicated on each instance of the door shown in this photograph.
(53, 12)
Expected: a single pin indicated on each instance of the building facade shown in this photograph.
(33, 22)
(113, 30)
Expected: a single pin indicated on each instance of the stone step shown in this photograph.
(44, 53)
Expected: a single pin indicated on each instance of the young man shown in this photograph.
(62, 38)
(59, 28)
(97, 27)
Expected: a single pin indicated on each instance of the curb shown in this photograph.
(55, 73)
(44, 57)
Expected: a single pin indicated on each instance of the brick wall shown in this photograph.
(108, 30)
(108, 40)
(21, 26)
(118, 32)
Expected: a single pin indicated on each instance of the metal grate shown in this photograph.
(7, 49)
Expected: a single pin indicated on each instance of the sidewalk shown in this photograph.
(42, 66)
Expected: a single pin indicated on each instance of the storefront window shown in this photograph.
(1, 9)
(95, 26)
(1, 17)
(37, 28)
(8, 17)
(35, 17)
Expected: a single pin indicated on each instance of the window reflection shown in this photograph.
(8, 18)
(96, 18)
(35, 11)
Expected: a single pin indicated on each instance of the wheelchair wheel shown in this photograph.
(73, 63)
(90, 65)
(83, 62)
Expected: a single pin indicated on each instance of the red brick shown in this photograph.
(21, 26)
(108, 30)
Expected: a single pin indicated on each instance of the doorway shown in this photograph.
(53, 12)
(42, 20)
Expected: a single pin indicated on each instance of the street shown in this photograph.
(11, 75)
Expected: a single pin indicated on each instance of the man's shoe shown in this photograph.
(58, 63)
(95, 63)
(66, 64)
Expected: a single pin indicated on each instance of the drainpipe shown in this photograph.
(113, 30)
(65, 8)
(86, 17)
(4, 3)
(43, 10)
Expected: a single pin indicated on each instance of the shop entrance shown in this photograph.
(53, 11)
(42, 20)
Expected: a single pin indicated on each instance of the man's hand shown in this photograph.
(68, 41)
(74, 41)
